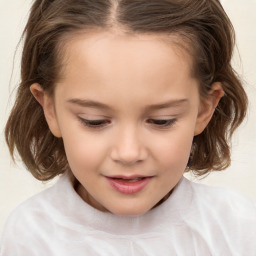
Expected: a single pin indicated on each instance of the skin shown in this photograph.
(139, 79)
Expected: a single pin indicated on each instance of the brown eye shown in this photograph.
(162, 122)
(94, 123)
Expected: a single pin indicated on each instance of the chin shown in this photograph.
(131, 211)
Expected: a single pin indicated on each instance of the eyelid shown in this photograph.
(94, 123)
(160, 123)
(166, 123)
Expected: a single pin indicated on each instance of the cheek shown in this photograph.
(83, 150)
(173, 151)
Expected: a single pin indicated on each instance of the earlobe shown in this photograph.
(47, 103)
(207, 107)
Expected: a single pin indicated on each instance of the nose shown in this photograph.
(128, 147)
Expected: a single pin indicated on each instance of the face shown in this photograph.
(127, 109)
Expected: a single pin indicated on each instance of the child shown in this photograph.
(120, 98)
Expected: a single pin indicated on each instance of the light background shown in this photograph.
(16, 184)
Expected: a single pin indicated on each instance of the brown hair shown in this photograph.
(203, 24)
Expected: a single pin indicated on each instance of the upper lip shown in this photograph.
(128, 177)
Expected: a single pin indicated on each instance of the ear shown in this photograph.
(47, 103)
(207, 107)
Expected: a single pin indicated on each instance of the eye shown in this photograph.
(96, 124)
(162, 123)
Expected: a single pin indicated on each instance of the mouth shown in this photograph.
(128, 184)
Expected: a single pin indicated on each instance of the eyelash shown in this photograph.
(163, 123)
(97, 124)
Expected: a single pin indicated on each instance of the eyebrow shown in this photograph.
(168, 104)
(95, 104)
(89, 103)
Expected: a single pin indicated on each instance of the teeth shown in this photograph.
(134, 180)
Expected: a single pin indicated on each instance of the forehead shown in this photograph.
(119, 47)
(125, 64)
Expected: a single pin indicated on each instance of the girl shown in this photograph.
(119, 98)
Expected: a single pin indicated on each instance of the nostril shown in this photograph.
(128, 162)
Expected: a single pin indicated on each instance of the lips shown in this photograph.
(128, 185)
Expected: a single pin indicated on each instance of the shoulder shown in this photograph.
(224, 213)
(223, 199)
(26, 212)
(219, 219)
(31, 220)
(21, 225)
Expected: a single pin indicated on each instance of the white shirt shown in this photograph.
(194, 220)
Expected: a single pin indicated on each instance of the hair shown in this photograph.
(201, 24)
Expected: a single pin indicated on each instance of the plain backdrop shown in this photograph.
(16, 184)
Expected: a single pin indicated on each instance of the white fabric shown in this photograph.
(195, 220)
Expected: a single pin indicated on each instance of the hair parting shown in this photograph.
(203, 29)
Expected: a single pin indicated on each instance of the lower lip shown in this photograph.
(126, 187)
